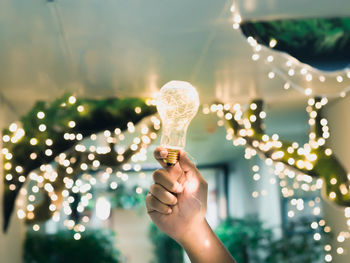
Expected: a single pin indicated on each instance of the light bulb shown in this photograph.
(177, 104)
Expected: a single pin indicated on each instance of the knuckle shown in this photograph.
(164, 209)
(152, 188)
(157, 174)
(173, 200)
(156, 190)
(172, 187)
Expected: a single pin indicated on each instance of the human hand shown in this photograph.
(177, 201)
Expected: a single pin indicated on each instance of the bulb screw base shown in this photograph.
(172, 158)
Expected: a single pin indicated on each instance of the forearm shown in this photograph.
(203, 246)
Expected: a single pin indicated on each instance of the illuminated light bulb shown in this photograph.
(332, 195)
(6, 138)
(256, 177)
(272, 43)
(48, 142)
(80, 108)
(138, 190)
(339, 79)
(13, 127)
(308, 77)
(21, 214)
(328, 258)
(340, 250)
(347, 212)
(317, 236)
(262, 115)
(328, 152)
(177, 104)
(48, 152)
(333, 181)
(255, 57)
(72, 99)
(237, 19)
(9, 177)
(138, 110)
(71, 124)
(308, 91)
(42, 127)
(235, 25)
(255, 194)
(40, 115)
(314, 225)
(286, 85)
(271, 75)
(291, 72)
(113, 185)
(340, 238)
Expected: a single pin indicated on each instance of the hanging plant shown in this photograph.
(314, 41)
(51, 129)
(314, 159)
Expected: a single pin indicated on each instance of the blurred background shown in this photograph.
(77, 162)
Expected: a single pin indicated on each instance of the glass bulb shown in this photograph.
(177, 104)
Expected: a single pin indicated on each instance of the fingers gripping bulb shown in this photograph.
(177, 104)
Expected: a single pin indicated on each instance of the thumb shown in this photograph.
(185, 163)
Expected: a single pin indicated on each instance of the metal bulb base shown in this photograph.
(172, 158)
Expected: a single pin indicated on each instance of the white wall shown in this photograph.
(338, 116)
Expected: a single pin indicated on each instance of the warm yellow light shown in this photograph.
(42, 127)
(80, 108)
(71, 124)
(328, 258)
(33, 141)
(272, 43)
(40, 115)
(177, 104)
(308, 91)
(72, 99)
(138, 110)
(13, 127)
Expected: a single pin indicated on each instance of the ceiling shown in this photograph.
(131, 48)
(103, 48)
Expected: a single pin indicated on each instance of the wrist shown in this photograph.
(196, 232)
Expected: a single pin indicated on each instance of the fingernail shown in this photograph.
(169, 211)
(163, 153)
(178, 187)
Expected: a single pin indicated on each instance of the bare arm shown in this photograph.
(177, 204)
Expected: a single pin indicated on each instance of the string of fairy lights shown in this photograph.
(289, 68)
(44, 180)
(290, 180)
